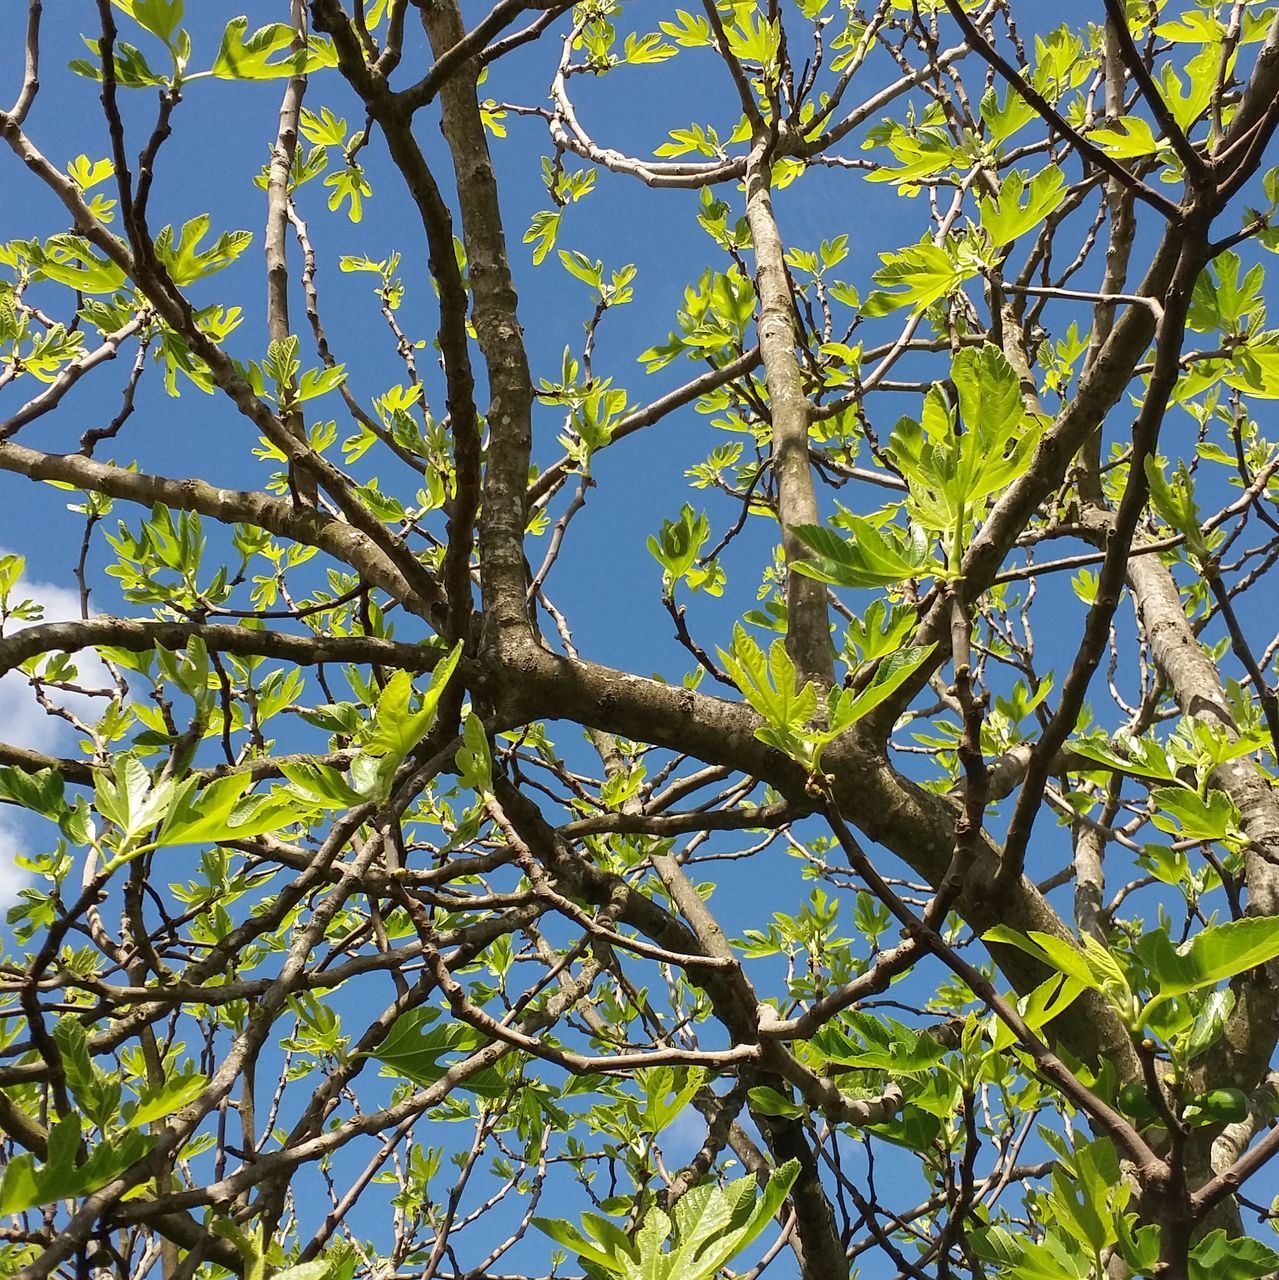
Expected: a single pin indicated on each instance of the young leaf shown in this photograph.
(172, 1095)
(1127, 138)
(159, 17)
(892, 672)
(187, 262)
(474, 758)
(396, 729)
(317, 1269)
(770, 684)
(322, 785)
(250, 58)
(1021, 206)
(1211, 956)
(915, 277)
(19, 1189)
(769, 1102)
(867, 559)
(1186, 813)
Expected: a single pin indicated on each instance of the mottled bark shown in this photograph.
(1243, 1056)
(807, 619)
(497, 328)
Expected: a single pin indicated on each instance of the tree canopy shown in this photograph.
(658, 661)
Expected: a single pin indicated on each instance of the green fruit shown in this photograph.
(1217, 1106)
(1135, 1103)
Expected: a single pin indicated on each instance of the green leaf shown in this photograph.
(892, 672)
(1086, 963)
(953, 473)
(132, 71)
(19, 1190)
(867, 559)
(880, 630)
(1143, 758)
(186, 262)
(677, 545)
(667, 1092)
(1258, 370)
(319, 382)
(1088, 1191)
(414, 1053)
(1175, 504)
(27, 1185)
(610, 1236)
(1139, 1247)
(86, 173)
(1188, 104)
(542, 233)
(770, 684)
(317, 1269)
(1182, 812)
(718, 1253)
(879, 1044)
(1217, 1257)
(324, 129)
(1211, 956)
(170, 1096)
(218, 812)
(128, 797)
(1210, 1023)
(474, 758)
(95, 1093)
(1227, 298)
(349, 186)
(571, 1238)
(923, 152)
(991, 408)
(688, 30)
(915, 277)
(769, 1102)
(1047, 1001)
(712, 1226)
(1126, 139)
(577, 264)
(250, 58)
(1020, 207)
(1003, 120)
(1194, 28)
(69, 260)
(42, 792)
(396, 729)
(160, 17)
(640, 49)
(321, 785)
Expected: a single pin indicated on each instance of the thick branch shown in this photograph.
(498, 331)
(310, 527)
(122, 633)
(1242, 1057)
(275, 241)
(807, 620)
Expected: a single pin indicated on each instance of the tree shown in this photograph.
(921, 914)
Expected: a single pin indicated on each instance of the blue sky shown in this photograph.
(606, 581)
(221, 136)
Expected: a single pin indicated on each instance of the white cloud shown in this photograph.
(12, 877)
(25, 723)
